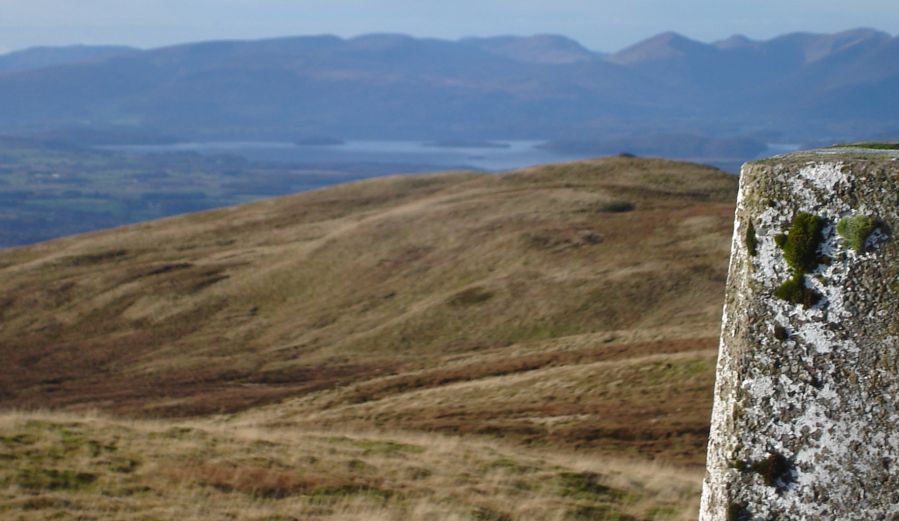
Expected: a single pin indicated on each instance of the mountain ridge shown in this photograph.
(538, 87)
(41, 57)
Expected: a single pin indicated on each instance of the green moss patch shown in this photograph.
(855, 230)
(795, 291)
(752, 242)
(800, 246)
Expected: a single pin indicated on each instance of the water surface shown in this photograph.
(415, 155)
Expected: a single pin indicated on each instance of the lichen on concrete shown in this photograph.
(806, 423)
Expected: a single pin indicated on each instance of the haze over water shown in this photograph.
(507, 155)
(418, 155)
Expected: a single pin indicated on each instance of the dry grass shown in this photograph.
(610, 407)
(66, 466)
(535, 345)
(373, 273)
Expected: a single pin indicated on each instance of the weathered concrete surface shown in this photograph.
(805, 423)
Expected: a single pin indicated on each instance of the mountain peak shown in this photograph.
(865, 32)
(662, 46)
(815, 47)
(539, 48)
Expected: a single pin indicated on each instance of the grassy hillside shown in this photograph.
(75, 467)
(571, 307)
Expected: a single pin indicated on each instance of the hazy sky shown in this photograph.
(598, 24)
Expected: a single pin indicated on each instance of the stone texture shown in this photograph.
(805, 423)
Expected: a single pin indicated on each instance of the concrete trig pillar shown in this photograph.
(805, 424)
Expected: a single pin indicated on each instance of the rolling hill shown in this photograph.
(532, 345)
(545, 296)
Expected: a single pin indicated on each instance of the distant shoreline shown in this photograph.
(319, 141)
(465, 143)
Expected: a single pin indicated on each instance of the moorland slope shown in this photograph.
(574, 305)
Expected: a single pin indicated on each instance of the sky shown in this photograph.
(599, 25)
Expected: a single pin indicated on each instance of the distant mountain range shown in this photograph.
(795, 88)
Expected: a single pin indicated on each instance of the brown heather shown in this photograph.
(534, 345)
